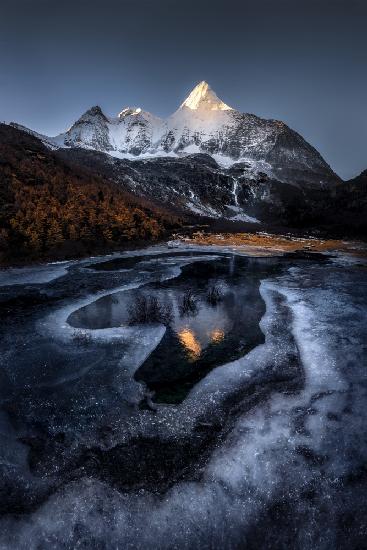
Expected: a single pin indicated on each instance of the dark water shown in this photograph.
(205, 334)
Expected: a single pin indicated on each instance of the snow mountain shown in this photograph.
(206, 159)
(194, 187)
(202, 124)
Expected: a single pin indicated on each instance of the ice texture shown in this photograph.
(286, 471)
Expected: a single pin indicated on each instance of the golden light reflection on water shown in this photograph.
(216, 335)
(194, 345)
(190, 342)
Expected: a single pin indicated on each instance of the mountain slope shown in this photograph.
(49, 207)
(197, 185)
(202, 124)
(193, 184)
(74, 201)
(350, 204)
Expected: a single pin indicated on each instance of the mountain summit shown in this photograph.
(203, 97)
(202, 124)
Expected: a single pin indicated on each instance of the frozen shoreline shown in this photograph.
(290, 416)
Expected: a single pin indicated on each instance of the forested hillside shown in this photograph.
(50, 208)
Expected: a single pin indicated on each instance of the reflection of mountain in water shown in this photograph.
(210, 335)
(190, 343)
(201, 333)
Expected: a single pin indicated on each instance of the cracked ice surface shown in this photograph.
(287, 467)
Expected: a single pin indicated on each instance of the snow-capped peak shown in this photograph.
(129, 111)
(202, 124)
(203, 97)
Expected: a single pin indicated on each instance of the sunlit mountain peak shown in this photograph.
(203, 97)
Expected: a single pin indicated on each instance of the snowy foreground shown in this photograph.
(267, 451)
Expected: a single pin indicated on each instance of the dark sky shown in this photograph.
(301, 61)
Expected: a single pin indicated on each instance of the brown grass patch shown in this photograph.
(262, 244)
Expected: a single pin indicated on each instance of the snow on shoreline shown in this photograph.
(33, 275)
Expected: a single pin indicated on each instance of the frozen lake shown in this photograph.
(235, 420)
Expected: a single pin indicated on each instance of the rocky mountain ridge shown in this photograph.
(203, 124)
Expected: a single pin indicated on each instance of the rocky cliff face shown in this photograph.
(203, 124)
(194, 184)
(198, 186)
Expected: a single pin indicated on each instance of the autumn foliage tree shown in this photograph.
(48, 205)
